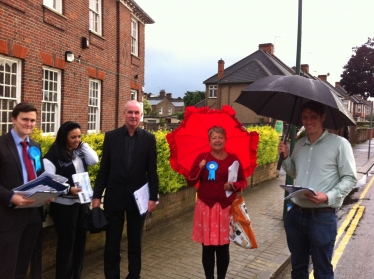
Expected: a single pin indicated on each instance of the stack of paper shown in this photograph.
(142, 198)
(42, 188)
(297, 191)
(82, 180)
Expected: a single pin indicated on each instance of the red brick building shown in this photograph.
(37, 41)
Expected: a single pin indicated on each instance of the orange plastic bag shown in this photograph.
(241, 232)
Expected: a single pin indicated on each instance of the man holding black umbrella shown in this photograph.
(324, 162)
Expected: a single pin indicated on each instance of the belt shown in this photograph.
(312, 210)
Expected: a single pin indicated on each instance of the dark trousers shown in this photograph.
(112, 257)
(71, 244)
(209, 257)
(311, 234)
(17, 244)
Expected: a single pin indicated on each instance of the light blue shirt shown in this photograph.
(327, 165)
(17, 141)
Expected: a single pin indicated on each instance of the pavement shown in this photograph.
(169, 252)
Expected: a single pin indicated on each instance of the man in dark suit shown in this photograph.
(129, 161)
(19, 228)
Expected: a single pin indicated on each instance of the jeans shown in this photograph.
(311, 234)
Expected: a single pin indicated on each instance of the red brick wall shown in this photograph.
(40, 37)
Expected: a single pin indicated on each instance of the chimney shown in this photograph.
(337, 83)
(323, 77)
(305, 68)
(162, 93)
(168, 95)
(269, 48)
(221, 68)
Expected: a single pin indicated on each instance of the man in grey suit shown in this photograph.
(19, 228)
(129, 161)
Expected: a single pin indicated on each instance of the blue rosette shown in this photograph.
(212, 167)
(35, 154)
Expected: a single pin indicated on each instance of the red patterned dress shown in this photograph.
(212, 211)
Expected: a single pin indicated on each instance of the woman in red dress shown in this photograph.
(215, 196)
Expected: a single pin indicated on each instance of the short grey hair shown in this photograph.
(217, 129)
(134, 102)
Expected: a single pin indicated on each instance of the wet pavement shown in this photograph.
(169, 252)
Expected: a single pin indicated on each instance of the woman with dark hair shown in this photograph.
(215, 196)
(67, 156)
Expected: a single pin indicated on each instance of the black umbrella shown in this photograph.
(281, 97)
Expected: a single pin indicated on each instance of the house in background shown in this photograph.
(226, 86)
(164, 105)
(360, 108)
(75, 60)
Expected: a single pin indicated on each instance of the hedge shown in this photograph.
(170, 181)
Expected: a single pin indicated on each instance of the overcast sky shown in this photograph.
(188, 37)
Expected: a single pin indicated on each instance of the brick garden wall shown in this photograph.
(170, 206)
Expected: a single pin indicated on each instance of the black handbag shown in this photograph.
(95, 220)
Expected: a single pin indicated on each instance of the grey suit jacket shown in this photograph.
(10, 178)
(119, 183)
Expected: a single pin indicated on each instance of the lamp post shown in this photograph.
(289, 179)
(371, 120)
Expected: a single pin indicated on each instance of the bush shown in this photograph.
(170, 181)
(267, 151)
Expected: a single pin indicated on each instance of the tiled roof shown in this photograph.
(344, 93)
(178, 103)
(200, 104)
(253, 67)
(154, 101)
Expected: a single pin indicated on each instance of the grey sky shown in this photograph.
(188, 38)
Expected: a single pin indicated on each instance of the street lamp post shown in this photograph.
(289, 179)
(371, 120)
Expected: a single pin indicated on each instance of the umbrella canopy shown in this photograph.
(282, 97)
(191, 138)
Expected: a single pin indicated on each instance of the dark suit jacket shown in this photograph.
(119, 183)
(10, 178)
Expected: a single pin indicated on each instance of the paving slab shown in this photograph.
(169, 252)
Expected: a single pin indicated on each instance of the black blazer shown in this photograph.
(120, 184)
(10, 178)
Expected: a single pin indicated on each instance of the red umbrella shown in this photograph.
(191, 138)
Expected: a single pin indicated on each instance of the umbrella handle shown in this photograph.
(281, 156)
(280, 160)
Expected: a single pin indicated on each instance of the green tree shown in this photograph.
(358, 74)
(147, 107)
(192, 98)
(179, 115)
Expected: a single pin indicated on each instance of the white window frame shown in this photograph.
(160, 110)
(10, 90)
(134, 37)
(345, 102)
(134, 94)
(170, 110)
(51, 101)
(95, 16)
(94, 105)
(54, 5)
(359, 108)
(213, 91)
